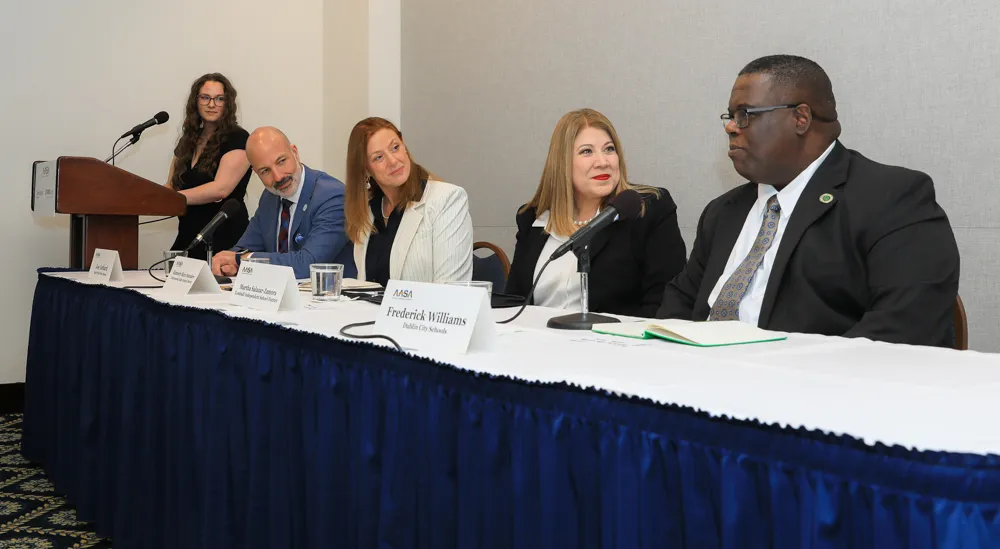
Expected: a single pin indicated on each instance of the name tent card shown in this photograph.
(436, 317)
(190, 276)
(106, 267)
(43, 187)
(266, 288)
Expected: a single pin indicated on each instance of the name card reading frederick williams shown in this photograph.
(106, 267)
(436, 317)
(190, 276)
(266, 287)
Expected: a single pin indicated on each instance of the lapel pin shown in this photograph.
(826, 198)
(304, 206)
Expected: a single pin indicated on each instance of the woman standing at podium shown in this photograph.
(210, 164)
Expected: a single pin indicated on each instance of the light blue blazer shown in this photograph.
(317, 231)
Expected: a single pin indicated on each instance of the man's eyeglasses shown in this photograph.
(218, 100)
(742, 116)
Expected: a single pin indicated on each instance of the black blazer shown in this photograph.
(879, 260)
(630, 260)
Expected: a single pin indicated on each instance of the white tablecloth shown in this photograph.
(918, 397)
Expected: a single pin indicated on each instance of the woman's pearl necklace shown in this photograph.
(385, 217)
(582, 223)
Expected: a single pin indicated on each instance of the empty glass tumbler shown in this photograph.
(325, 281)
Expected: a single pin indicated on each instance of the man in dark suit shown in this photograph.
(299, 221)
(822, 240)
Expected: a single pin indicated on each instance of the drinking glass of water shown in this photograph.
(325, 280)
(169, 256)
(484, 284)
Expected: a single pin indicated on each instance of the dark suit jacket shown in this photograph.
(878, 261)
(630, 260)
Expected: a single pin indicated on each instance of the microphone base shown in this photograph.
(579, 321)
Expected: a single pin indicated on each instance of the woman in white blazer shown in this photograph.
(404, 225)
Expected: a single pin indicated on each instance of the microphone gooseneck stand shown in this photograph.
(207, 241)
(585, 319)
(114, 153)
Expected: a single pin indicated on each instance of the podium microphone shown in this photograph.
(135, 132)
(160, 118)
(229, 208)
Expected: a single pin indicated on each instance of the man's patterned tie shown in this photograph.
(286, 216)
(727, 305)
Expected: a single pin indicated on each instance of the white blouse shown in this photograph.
(559, 286)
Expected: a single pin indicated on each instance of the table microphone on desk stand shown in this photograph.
(625, 205)
(229, 208)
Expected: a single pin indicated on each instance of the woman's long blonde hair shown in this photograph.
(357, 194)
(555, 190)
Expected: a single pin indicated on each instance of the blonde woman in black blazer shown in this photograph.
(631, 260)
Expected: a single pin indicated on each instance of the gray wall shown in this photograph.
(483, 84)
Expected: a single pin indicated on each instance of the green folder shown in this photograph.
(698, 334)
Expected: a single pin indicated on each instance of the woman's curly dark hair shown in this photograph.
(191, 129)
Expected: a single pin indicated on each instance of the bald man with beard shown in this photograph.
(299, 220)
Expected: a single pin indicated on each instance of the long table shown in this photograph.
(189, 422)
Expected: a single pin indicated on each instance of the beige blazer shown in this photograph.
(434, 239)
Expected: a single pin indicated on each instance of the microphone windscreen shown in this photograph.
(628, 204)
(161, 117)
(230, 207)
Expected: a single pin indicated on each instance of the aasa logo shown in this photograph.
(402, 294)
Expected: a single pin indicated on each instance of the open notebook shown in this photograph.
(699, 334)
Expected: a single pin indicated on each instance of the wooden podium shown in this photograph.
(104, 202)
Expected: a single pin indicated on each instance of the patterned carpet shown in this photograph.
(32, 515)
